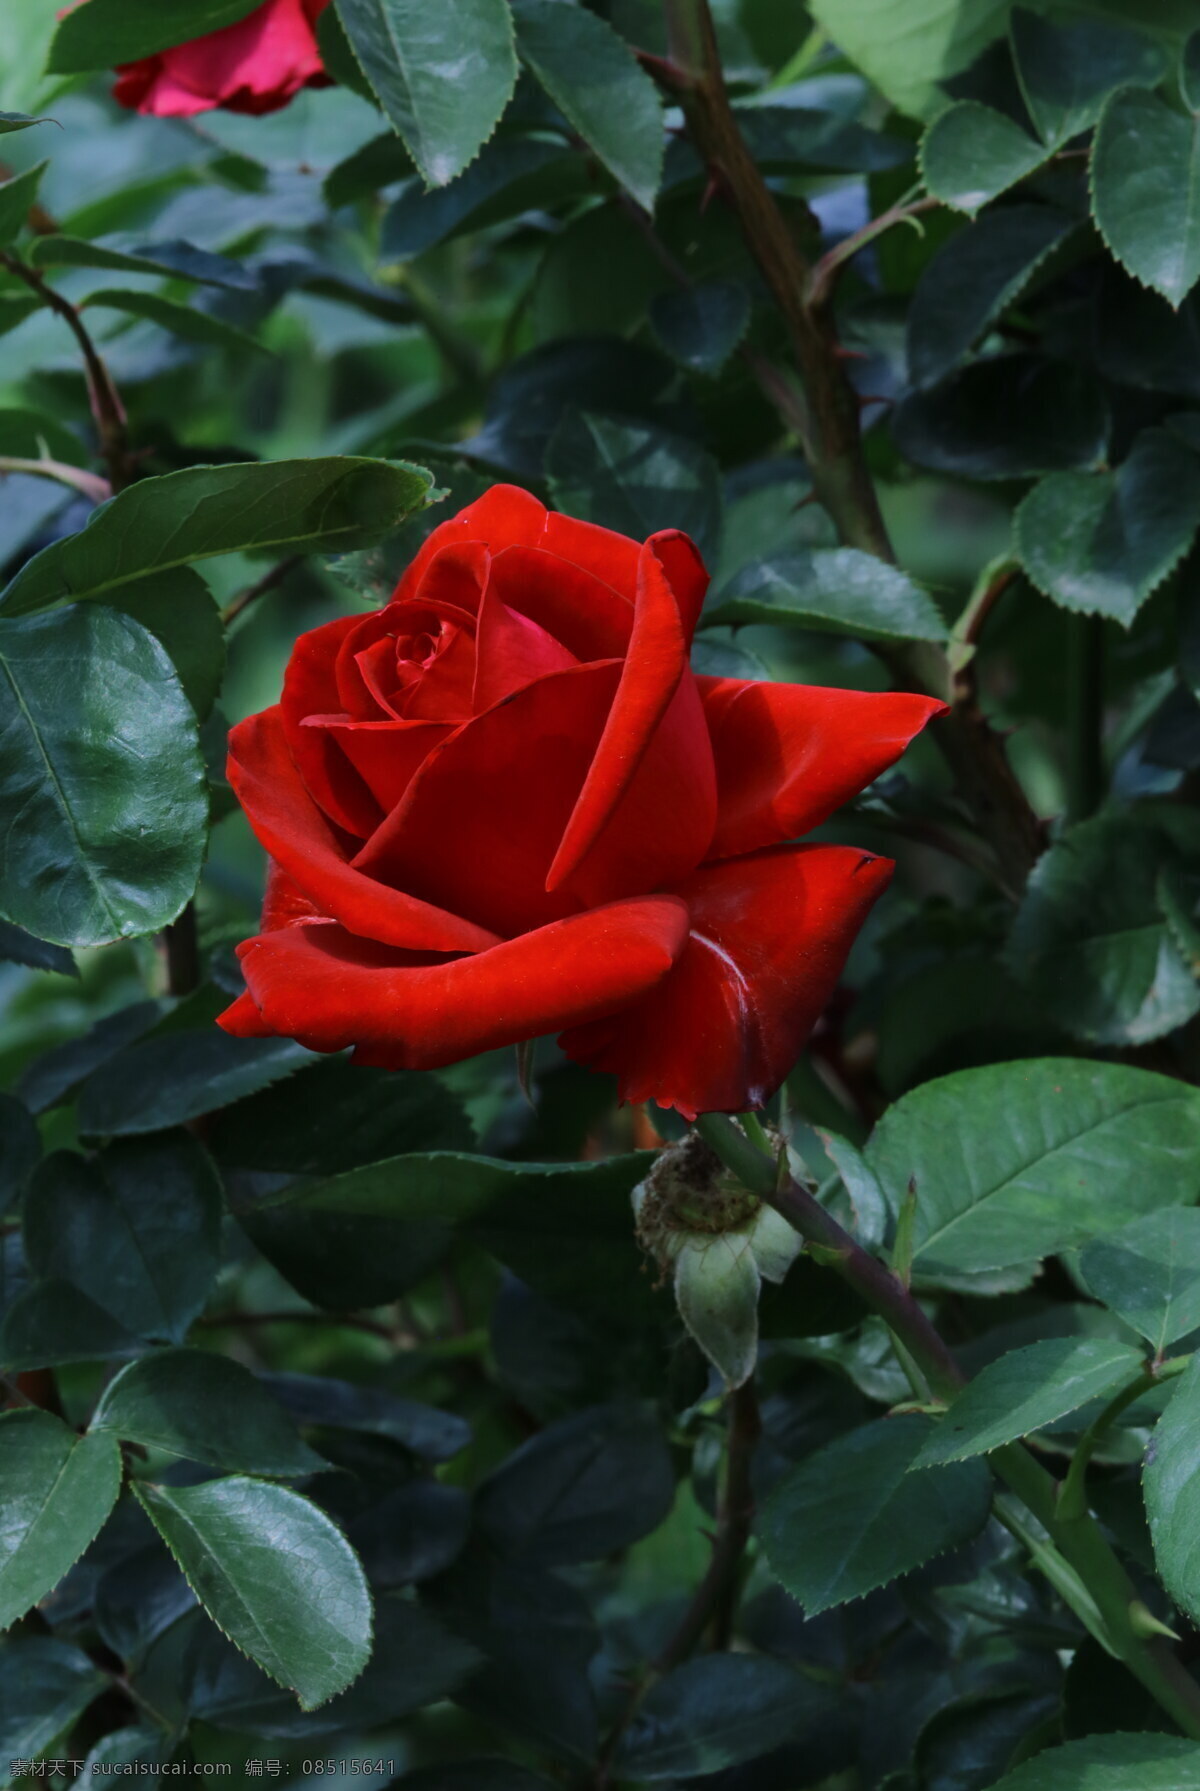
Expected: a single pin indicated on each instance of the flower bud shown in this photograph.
(719, 1242)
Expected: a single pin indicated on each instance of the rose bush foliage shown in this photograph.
(516, 1268)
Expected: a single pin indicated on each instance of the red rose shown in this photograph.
(503, 805)
(255, 65)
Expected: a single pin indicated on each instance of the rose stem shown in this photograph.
(829, 421)
(1076, 1537)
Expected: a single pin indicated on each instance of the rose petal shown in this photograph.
(444, 690)
(386, 754)
(769, 935)
(310, 688)
(244, 1020)
(511, 651)
(455, 573)
(590, 618)
(661, 828)
(653, 667)
(293, 830)
(610, 557)
(254, 65)
(319, 984)
(685, 572)
(503, 516)
(149, 88)
(366, 675)
(483, 816)
(788, 755)
(284, 902)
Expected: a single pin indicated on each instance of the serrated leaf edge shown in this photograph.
(148, 1508)
(971, 1454)
(569, 114)
(973, 211)
(816, 1610)
(1011, 293)
(418, 158)
(1146, 285)
(1079, 609)
(76, 1440)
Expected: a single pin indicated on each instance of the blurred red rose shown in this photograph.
(503, 806)
(255, 65)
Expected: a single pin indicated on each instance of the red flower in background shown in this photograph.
(503, 806)
(255, 65)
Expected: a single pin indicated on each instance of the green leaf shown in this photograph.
(20, 1149)
(34, 434)
(1102, 542)
(1068, 67)
(136, 1229)
(117, 31)
(44, 1685)
(290, 506)
(183, 320)
(475, 1775)
(1026, 1390)
(633, 477)
(379, 163)
(716, 1711)
(19, 947)
(275, 1575)
(1145, 174)
(412, 1533)
(16, 197)
(717, 1284)
(973, 279)
(95, 848)
(1110, 1763)
(177, 259)
(426, 1431)
(594, 79)
(971, 154)
(834, 590)
(15, 307)
(1189, 73)
(582, 1488)
(1019, 1160)
(51, 1080)
(140, 1595)
(178, 610)
(867, 1208)
(852, 1517)
(52, 1322)
(172, 1076)
(1009, 416)
(564, 1228)
(1148, 1273)
(204, 1408)
(539, 1637)
(1171, 1483)
(1091, 936)
(18, 121)
(442, 75)
(700, 326)
(511, 175)
(336, 1115)
(414, 1662)
(905, 50)
(58, 1490)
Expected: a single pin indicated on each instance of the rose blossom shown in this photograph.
(257, 64)
(503, 805)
